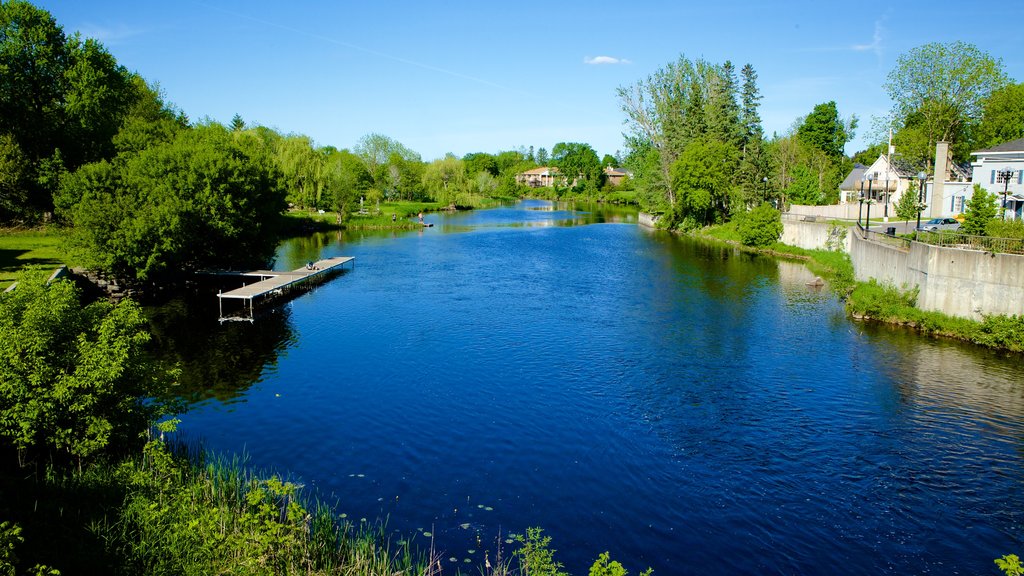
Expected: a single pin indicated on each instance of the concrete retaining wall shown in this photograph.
(835, 211)
(965, 283)
(814, 235)
(646, 219)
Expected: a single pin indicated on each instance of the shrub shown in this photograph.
(761, 227)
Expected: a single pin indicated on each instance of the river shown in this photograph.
(686, 407)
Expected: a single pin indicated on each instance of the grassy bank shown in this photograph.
(24, 248)
(174, 511)
(888, 304)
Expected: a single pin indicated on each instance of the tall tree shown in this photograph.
(542, 156)
(578, 164)
(1002, 117)
(722, 113)
(445, 179)
(751, 99)
(824, 130)
(703, 177)
(944, 86)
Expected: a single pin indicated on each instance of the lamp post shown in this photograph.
(920, 196)
(860, 200)
(1004, 175)
(870, 198)
(764, 195)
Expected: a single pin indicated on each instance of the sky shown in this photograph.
(460, 77)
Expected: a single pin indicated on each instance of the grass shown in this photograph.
(23, 248)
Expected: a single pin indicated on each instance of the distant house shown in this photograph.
(991, 164)
(885, 180)
(615, 176)
(543, 177)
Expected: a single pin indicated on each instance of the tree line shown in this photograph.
(700, 156)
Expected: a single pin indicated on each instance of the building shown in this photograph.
(849, 189)
(1000, 170)
(885, 180)
(615, 176)
(543, 177)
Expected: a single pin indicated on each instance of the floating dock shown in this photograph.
(274, 283)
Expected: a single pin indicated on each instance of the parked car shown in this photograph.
(936, 224)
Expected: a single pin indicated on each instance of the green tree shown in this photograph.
(237, 124)
(761, 227)
(14, 176)
(578, 164)
(347, 179)
(940, 89)
(542, 156)
(981, 209)
(907, 206)
(702, 177)
(209, 198)
(302, 167)
(536, 558)
(444, 180)
(824, 130)
(750, 99)
(609, 160)
(1002, 117)
(477, 162)
(74, 379)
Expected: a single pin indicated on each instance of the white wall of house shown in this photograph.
(955, 196)
(985, 171)
(885, 179)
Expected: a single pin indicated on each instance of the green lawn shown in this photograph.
(20, 249)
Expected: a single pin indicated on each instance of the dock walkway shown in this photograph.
(275, 282)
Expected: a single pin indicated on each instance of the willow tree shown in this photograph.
(445, 179)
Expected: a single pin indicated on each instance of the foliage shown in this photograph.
(578, 164)
(907, 206)
(444, 180)
(24, 248)
(761, 227)
(605, 566)
(702, 177)
(998, 228)
(1002, 117)
(682, 103)
(1010, 565)
(981, 209)
(57, 93)
(73, 377)
(939, 90)
(824, 130)
(536, 558)
(208, 198)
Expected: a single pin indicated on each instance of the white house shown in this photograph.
(1000, 170)
(885, 180)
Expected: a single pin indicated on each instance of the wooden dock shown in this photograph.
(273, 283)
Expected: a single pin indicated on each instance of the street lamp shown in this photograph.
(764, 196)
(1004, 176)
(860, 202)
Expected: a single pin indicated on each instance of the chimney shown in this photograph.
(939, 179)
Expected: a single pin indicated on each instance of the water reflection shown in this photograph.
(217, 361)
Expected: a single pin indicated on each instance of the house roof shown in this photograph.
(542, 171)
(615, 171)
(854, 177)
(1006, 147)
(903, 168)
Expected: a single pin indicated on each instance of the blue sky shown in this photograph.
(489, 76)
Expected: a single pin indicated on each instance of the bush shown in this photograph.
(761, 227)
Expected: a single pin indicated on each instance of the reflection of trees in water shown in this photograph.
(217, 360)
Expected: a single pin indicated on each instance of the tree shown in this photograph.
(237, 124)
(824, 130)
(477, 162)
(750, 98)
(907, 206)
(542, 156)
(1002, 117)
(74, 379)
(210, 198)
(347, 179)
(761, 227)
(609, 160)
(303, 169)
(578, 164)
(702, 177)
(14, 174)
(981, 209)
(445, 179)
(945, 86)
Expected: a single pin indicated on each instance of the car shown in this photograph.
(936, 224)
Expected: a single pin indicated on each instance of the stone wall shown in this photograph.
(965, 283)
(815, 235)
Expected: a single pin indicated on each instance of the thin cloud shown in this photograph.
(598, 60)
(109, 36)
(876, 42)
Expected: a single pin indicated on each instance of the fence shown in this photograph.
(969, 242)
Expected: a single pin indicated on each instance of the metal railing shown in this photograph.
(968, 242)
(947, 239)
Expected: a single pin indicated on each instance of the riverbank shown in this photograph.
(871, 301)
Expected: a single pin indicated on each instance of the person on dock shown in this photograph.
(421, 217)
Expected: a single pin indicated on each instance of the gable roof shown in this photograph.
(1011, 146)
(853, 179)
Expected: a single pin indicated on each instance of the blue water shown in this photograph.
(685, 407)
